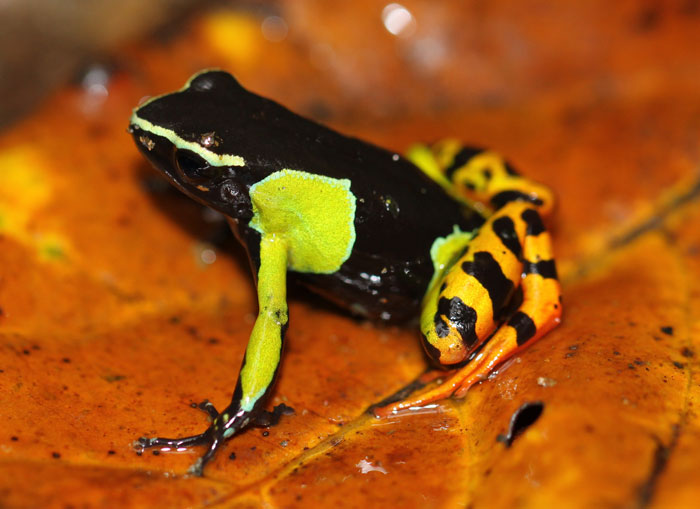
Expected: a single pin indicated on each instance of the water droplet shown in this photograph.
(398, 20)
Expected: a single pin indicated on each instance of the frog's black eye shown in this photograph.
(192, 166)
(202, 83)
(209, 80)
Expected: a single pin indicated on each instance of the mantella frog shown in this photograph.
(448, 233)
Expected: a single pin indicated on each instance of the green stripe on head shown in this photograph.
(212, 158)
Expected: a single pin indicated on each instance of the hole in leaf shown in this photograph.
(522, 418)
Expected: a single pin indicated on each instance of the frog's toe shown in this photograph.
(380, 412)
(420, 399)
(213, 437)
(265, 419)
(177, 443)
(208, 407)
(410, 393)
(174, 443)
(224, 425)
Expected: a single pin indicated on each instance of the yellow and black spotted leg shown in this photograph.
(477, 277)
(260, 364)
(539, 312)
(481, 177)
(511, 246)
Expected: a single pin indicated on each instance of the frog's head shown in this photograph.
(186, 136)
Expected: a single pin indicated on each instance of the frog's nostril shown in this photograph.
(147, 142)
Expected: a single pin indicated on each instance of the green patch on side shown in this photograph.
(445, 251)
(314, 214)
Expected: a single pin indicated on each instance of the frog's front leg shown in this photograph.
(260, 363)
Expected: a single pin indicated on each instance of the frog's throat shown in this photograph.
(315, 215)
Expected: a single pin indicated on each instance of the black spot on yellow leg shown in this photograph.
(545, 268)
(504, 228)
(462, 317)
(488, 272)
(533, 221)
(465, 155)
(499, 200)
(510, 170)
(524, 327)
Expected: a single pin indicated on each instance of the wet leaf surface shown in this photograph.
(123, 303)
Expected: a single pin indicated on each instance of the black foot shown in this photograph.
(224, 425)
(208, 437)
(267, 419)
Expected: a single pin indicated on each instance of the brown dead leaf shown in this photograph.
(114, 319)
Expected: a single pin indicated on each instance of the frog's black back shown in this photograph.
(399, 210)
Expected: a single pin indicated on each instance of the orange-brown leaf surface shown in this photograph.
(123, 303)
